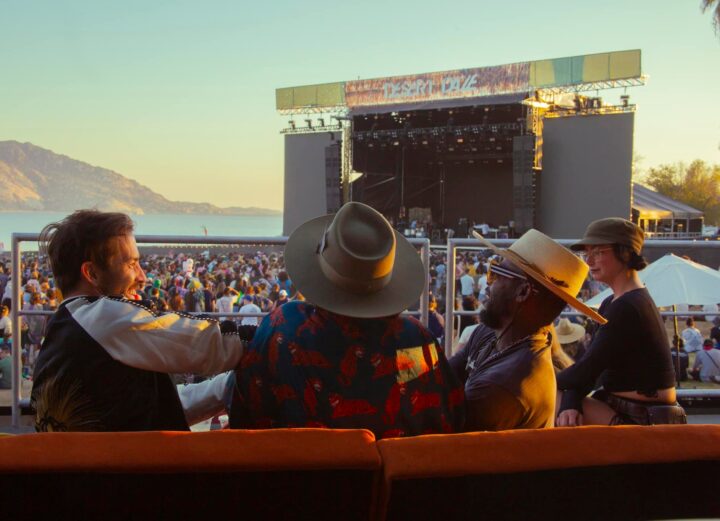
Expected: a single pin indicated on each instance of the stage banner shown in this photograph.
(464, 83)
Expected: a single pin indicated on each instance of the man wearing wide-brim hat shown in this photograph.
(346, 358)
(507, 366)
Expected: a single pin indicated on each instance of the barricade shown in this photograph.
(18, 238)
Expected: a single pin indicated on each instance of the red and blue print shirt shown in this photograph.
(308, 367)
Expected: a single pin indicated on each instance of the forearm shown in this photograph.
(206, 399)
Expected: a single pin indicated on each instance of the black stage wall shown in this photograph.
(312, 177)
(587, 170)
(480, 191)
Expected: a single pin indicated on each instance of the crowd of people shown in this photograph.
(334, 349)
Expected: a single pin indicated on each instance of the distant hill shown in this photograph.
(33, 178)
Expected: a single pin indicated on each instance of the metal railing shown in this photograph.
(16, 313)
(451, 247)
(473, 244)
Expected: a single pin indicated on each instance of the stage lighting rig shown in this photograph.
(321, 122)
(292, 124)
(309, 123)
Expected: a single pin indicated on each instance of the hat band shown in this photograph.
(362, 287)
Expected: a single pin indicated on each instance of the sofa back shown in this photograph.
(628, 472)
(278, 474)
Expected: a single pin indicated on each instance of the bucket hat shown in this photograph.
(550, 264)
(353, 263)
(612, 230)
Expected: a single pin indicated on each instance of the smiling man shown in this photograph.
(506, 366)
(104, 362)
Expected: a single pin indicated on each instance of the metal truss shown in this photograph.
(608, 109)
(325, 114)
(334, 109)
(460, 130)
(596, 85)
(337, 127)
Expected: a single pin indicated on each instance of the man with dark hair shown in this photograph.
(507, 364)
(105, 358)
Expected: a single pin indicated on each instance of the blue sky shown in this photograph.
(181, 95)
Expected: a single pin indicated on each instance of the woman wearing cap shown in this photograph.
(630, 354)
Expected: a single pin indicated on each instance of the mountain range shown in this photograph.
(34, 178)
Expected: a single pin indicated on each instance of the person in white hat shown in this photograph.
(346, 358)
(571, 335)
(507, 365)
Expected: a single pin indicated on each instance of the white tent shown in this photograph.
(672, 280)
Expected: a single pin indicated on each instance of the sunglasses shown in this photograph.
(496, 270)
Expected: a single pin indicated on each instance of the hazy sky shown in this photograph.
(180, 95)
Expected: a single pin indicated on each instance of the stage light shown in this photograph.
(424, 142)
(625, 100)
(321, 122)
(460, 140)
(292, 124)
(309, 123)
(396, 143)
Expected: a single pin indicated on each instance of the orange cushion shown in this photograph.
(252, 450)
(532, 450)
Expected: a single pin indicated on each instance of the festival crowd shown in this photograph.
(324, 343)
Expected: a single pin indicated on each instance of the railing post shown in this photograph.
(16, 333)
(449, 296)
(425, 297)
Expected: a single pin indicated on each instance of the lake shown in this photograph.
(167, 224)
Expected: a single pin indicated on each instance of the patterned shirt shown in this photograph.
(308, 367)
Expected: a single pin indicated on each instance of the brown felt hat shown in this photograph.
(613, 230)
(353, 263)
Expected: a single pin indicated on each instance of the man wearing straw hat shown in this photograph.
(506, 366)
(346, 358)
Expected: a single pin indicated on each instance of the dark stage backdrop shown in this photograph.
(586, 175)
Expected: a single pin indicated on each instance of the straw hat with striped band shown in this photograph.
(550, 264)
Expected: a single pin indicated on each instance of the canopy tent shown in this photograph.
(654, 205)
(672, 280)
(655, 212)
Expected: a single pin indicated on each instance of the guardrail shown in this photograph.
(451, 248)
(16, 313)
(472, 244)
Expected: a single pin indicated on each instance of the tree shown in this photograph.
(714, 7)
(697, 185)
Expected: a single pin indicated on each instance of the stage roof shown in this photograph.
(594, 70)
(653, 205)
